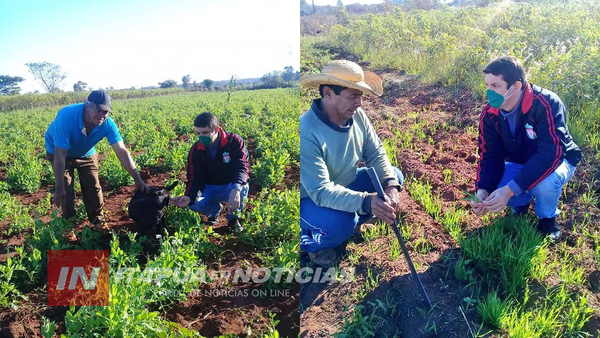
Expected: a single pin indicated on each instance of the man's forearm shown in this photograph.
(58, 165)
(338, 197)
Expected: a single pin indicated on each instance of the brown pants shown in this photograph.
(91, 191)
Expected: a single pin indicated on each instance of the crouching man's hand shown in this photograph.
(498, 199)
(383, 209)
(393, 196)
(234, 200)
(478, 207)
(180, 202)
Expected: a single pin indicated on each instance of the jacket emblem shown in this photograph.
(530, 132)
(226, 157)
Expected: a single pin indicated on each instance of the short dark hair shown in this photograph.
(509, 67)
(206, 119)
(336, 89)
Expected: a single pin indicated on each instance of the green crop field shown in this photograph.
(159, 132)
(491, 276)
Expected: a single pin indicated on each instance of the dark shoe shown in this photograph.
(521, 211)
(304, 259)
(328, 258)
(550, 228)
(325, 258)
(212, 220)
(235, 226)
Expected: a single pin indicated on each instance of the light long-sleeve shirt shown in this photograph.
(330, 155)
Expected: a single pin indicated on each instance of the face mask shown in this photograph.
(205, 140)
(496, 100)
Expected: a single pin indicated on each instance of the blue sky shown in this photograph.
(138, 43)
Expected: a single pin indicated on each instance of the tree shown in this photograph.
(9, 85)
(80, 86)
(186, 81)
(208, 84)
(342, 16)
(49, 74)
(273, 79)
(305, 8)
(167, 84)
(421, 4)
(289, 75)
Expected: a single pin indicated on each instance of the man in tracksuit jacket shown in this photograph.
(217, 171)
(525, 147)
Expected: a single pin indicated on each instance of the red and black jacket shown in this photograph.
(230, 164)
(542, 140)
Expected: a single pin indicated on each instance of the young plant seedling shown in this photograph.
(471, 197)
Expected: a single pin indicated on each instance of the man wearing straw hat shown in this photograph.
(336, 195)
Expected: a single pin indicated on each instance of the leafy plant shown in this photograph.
(9, 293)
(286, 258)
(111, 170)
(471, 197)
(275, 217)
(26, 175)
(48, 327)
(492, 309)
(269, 169)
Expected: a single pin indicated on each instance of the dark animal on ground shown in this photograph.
(147, 210)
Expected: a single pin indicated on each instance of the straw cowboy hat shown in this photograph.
(346, 74)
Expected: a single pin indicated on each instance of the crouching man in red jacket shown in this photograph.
(525, 147)
(217, 172)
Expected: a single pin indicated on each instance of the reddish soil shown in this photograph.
(220, 307)
(325, 306)
(210, 315)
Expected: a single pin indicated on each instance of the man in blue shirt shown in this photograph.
(70, 141)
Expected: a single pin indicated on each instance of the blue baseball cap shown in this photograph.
(101, 98)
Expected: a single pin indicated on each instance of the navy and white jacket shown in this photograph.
(542, 140)
(230, 164)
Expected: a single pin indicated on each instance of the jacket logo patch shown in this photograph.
(530, 132)
(226, 157)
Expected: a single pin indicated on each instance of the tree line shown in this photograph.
(276, 79)
(51, 77)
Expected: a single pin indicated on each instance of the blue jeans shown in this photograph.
(209, 203)
(323, 228)
(546, 193)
